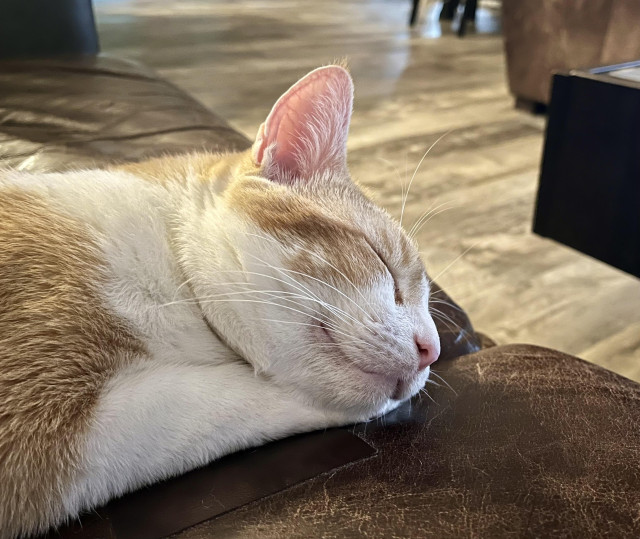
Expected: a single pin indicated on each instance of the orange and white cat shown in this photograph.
(158, 315)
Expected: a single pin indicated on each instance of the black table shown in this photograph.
(589, 192)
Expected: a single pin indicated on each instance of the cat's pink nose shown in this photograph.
(428, 352)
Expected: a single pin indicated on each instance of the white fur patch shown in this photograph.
(159, 419)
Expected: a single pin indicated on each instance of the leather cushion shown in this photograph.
(529, 442)
(58, 115)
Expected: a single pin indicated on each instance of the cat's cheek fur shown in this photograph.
(334, 376)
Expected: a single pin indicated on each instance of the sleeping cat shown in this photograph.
(158, 315)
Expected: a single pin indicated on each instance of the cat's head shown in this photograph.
(335, 298)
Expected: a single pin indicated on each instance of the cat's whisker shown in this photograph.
(461, 333)
(319, 313)
(258, 274)
(298, 283)
(456, 259)
(432, 209)
(220, 294)
(266, 303)
(445, 304)
(325, 320)
(308, 251)
(423, 391)
(177, 290)
(288, 271)
(338, 291)
(291, 322)
(277, 295)
(438, 301)
(424, 215)
(322, 346)
(444, 317)
(449, 327)
(335, 330)
(319, 344)
(422, 222)
(349, 281)
(450, 287)
(404, 202)
(434, 373)
(330, 307)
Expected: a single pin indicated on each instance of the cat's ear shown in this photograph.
(306, 130)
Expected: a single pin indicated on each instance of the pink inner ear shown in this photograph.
(308, 125)
(288, 118)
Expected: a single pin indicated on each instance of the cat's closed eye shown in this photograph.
(397, 293)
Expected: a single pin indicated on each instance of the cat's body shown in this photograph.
(156, 316)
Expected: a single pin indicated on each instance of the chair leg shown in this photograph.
(470, 10)
(414, 12)
(468, 14)
(448, 10)
(459, 20)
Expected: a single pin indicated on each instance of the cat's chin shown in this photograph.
(390, 406)
(395, 388)
(370, 394)
(386, 402)
(404, 391)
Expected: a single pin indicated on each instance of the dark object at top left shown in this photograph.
(39, 28)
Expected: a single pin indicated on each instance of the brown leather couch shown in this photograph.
(543, 36)
(520, 441)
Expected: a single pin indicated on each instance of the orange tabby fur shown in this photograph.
(49, 377)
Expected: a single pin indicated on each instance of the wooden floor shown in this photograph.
(411, 89)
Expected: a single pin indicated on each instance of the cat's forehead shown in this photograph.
(334, 238)
(312, 237)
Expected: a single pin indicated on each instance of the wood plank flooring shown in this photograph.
(238, 56)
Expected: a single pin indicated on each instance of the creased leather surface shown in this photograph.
(535, 444)
(57, 115)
